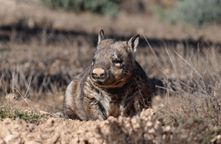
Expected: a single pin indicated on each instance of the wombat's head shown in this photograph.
(113, 61)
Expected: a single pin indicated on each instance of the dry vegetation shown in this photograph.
(34, 74)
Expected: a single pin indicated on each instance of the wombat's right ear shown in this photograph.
(133, 42)
(100, 36)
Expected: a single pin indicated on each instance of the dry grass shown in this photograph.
(34, 75)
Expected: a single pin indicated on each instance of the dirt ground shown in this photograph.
(34, 75)
(57, 130)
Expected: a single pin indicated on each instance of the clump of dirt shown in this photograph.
(139, 129)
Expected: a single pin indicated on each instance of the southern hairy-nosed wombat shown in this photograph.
(114, 84)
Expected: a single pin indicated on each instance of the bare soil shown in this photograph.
(57, 130)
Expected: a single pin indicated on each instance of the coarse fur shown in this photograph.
(114, 84)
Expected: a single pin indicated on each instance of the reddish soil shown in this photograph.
(57, 130)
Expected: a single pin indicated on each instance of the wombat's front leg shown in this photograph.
(134, 104)
(70, 110)
(96, 110)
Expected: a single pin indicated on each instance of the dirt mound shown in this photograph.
(139, 129)
(170, 120)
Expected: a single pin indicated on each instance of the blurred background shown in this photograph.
(171, 19)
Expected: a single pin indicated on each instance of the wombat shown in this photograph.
(113, 84)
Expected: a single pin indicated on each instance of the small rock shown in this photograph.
(11, 97)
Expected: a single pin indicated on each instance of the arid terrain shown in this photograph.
(41, 50)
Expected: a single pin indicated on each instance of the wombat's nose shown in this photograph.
(98, 74)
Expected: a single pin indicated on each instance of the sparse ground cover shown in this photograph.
(34, 74)
(189, 112)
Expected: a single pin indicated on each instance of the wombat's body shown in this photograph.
(114, 84)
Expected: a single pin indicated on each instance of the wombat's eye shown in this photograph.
(117, 62)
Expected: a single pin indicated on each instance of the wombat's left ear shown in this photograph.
(100, 36)
(133, 42)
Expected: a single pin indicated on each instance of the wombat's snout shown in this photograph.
(99, 75)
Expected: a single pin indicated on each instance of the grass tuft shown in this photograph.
(19, 114)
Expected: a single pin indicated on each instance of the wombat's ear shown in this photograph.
(100, 36)
(133, 42)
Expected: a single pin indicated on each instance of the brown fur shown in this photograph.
(114, 84)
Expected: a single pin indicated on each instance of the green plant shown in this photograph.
(15, 113)
(197, 12)
(107, 7)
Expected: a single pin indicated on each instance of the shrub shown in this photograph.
(6, 112)
(197, 12)
(107, 7)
